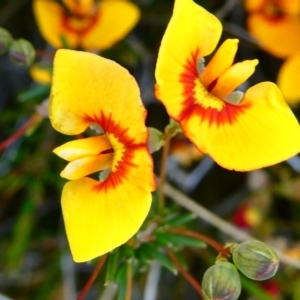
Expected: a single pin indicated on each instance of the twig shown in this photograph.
(35, 119)
(186, 274)
(92, 277)
(129, 281)
(222, 225)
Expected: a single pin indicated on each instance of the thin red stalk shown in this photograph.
(185, 273)
(161, 197)
(219, 247)
(42, 53)
(36, 118)
(92, 277)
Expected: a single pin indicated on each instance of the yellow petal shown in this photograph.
(191, 33)
(220, 62)
(82, 7)
(102, 216)
(115, 20)
(83, 147)
(288, 79)
(277, 35)
(48, 15)
(52, 21)
(87, 165)
(40, 74)
(260, 132)
(233, 78)
(252, 5)
(289, 6)
(89, 89)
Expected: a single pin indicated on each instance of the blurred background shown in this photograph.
(35, 261)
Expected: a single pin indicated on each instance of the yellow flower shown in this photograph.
(41, 73)
(275, 25)
(239, 131)
(84, 23)
(89, 90)
(288, 79)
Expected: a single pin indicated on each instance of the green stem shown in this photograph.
(161, 197)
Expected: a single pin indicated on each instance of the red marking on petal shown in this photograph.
(67, 19)
(227, 115)
(120, 174)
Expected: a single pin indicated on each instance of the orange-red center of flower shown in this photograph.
(79, 24)
(200, 100)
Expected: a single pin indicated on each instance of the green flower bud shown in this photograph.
(221, 281)
(22, 52)
(255, 259)
(5, 40)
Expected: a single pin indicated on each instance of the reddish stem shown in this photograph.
(42, 53)
(185, 273)
(35, 119)
(92, 277)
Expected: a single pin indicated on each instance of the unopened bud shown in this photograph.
(5, 40)
(22, 52)
(221, 281)
(255, 259)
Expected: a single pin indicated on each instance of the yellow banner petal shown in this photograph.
(191, 33)
(102, 216)
(260, 132)
(90, 89)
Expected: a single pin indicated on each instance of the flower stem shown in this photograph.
(92, 277)
(41, 53)
(35, 119)
(208, 240)
(185, 273)
(129, 281)
(161, 197)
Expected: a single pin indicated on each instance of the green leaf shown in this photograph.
(121, 279)
(152, 252)
(21, 236)
(111, 267)
(155, 140)
(180, 220)
(174, 239)
(37, 92)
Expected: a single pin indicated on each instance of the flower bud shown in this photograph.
(22, 52)
(255, 259)
(5, 40)
(221, 281)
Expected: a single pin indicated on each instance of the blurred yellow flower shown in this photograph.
(288, 79)
(85, 24)
(89, 90)
(239, 131)
(41, 73)
(275, 25)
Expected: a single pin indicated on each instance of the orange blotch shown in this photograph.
(227, 115)
(86, 23)
(110, 126)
